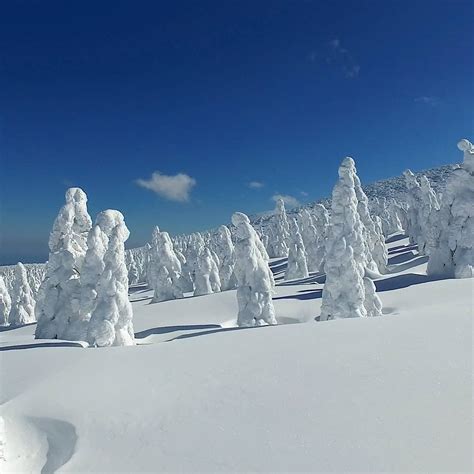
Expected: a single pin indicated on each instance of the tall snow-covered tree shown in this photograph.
(23, 304)
(5, 303)
(346, 294)
(226, 254)
(111, 322)
(414, 204)
(428, 214)
(310, 239)
(166, 284)
(254, 277)
(58, 308)
(452, 254)
(380, 252)
(297, 266)
(321, 222)
(206, 279)
(279, 231)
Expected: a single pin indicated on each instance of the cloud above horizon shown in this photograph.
(427, 100)
(335, 54)
(255, 185)
(174, 187)
(289, 201)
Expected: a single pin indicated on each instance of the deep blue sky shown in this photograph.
(99, 94)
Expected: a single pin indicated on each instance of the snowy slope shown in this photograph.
(382, 394)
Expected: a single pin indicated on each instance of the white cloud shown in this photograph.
(304, 193)
(338, 56)
(255, 185)
(427, 100)
(289, 201)
(174, 188)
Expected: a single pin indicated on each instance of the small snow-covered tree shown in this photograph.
(58, 309)
(279, 231)
(321, 222)
(254, 277)
(111, 322)
(225, 252)
(297, 266)
(166, 285)
(344, 293)
(414, 204)
(428, 214)
(380, 252)
(185, 279)
(5, 303)
(23, 304)
(310, 239)
(452, 254)
(206, 279)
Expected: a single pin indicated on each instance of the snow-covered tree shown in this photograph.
(132, 269)
(225, 252)
(5, 303)
(452, 254)
(346, 294)
(428, 214)
(279, 231)
(22, 302)
(414, 204)
(310, 239)
(206, 278)
(297, 266)
(185, 280)
(58, 309)
(166, 284)
(380, 252)
(321, 222)
(254, 277)
(111, 322)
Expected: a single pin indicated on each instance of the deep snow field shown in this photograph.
(197, 394)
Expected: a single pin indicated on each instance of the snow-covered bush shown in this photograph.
(22, 302)
(58, 309)
(297, 266)
(279, 231)
(111, 322)
(452, 254)
(345, 292)
(254, 277)
(5, 303)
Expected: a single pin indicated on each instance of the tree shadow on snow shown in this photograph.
(401, 257)
(167, 329)
(306, 295)
(38, 345)
(314, 278)
(413, 262)
(396, 238)
(402, 248)
(403, 281)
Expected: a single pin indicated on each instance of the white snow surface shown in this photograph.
(392, 393)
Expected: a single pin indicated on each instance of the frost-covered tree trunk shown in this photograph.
(344, 293)
(5, 303)
(452, 254)
(225, 252)
(280, 231)
(22, 302)
(297, 266)
(58, 299)
(254, 277)
(111, 322)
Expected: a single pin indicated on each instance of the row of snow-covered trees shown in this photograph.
(84, 293)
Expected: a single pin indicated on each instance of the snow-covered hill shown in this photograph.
(197, 394)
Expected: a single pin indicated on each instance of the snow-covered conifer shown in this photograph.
(5, 303)
(297, 266)
(22, 302)
(206, 279)
(279, 231)
(111, 321)
(58, 308)
(428, 214)
(254, 277)
(414, 204)
(380, 252)
(453, 253)
(344, 293)
(321, 222)
(225, 251)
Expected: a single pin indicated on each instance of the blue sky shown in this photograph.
(103, 94)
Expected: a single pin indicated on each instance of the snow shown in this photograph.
(392, 393)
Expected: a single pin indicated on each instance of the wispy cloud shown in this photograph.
(173, 188)
(427, 100)
(289, 201)
(335, 54)
(304, 193)
(255, 185)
